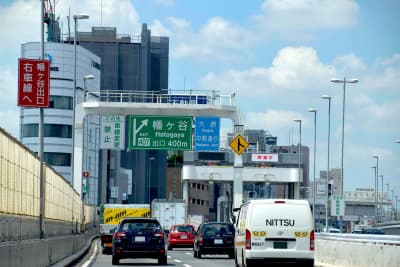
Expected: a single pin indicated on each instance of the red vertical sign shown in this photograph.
(33, 83)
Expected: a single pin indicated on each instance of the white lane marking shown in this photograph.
(186, 265)
(177, 261)
(169, 257)
(189, 253)
(86, 264)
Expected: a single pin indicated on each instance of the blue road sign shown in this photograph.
(187, 99)
(207, 133)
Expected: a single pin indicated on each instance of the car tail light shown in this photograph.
(162, 251)
(200, 239)
(280, 202)
(312, 240)
(118, 251)
(248, 239)
(161, 235)
(118, 235)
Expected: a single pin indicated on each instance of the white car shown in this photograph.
(274, 230)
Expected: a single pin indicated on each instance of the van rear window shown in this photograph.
(281, 215)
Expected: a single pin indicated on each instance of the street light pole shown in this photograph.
(327, 171)
(382, 210)
(315, 149)
(344, 81)
(149, 183)
(377, 184)
(85, 78)
(375, 191)
(76, 17)
(299, 121)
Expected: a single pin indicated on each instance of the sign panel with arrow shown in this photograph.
(239, 144)
(160, 132)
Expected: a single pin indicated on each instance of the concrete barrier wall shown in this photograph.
(45, 252)
(352, 254)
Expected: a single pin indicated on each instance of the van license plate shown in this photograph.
(280, 244)
(218, 241)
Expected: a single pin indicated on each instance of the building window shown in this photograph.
(50, 130)
(202, 187)
(57, 159)
(30, 130)
(62, 102)
(202, 202)
(198, 201)
(198, 186)
(193, 201)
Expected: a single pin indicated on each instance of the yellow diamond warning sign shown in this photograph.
(239, 144)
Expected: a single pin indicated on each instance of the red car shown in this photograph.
(181, 235)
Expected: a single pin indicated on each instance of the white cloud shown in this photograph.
(9, 113)
(348, 65)
(294, 69)
(216, 40)
(276, 121)
(112, 13)
(157, 28)
(298, 20)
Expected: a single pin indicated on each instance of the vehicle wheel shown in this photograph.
(236, 262)
(231, 255)
(115, 260)
(309, 263)
(195, 253)
(162, 260)
(169, 247)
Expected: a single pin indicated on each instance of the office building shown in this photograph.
(58, 118)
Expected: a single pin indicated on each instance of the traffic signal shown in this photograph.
(329, 189)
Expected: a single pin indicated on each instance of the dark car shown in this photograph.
(139, 238)
(372, 231)
(181, 235)
(214, 238)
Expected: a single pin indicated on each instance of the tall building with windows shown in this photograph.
(58, 118)
(138, 63)
(118, 63)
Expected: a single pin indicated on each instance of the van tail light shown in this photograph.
(200, 239)
(160, 235)
(118, 235)
(312, 240)
(248, 239)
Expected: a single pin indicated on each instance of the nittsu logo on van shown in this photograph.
(279, 222)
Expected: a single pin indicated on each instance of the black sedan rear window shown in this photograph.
(131, 226)
(214, 229)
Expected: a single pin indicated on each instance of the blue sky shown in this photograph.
(278, 56)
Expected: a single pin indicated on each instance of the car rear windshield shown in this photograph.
(139, 225)
(183, 228)
(213, 229)
(281, 215)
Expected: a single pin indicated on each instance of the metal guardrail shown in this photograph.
(173, 98)
(361, 238)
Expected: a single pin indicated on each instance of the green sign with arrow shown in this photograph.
(160, 132)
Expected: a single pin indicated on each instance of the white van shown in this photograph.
(274, 230)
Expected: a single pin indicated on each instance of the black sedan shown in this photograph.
(214, 238)
(139, 238)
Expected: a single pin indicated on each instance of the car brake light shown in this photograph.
(280, 202)
(118, 235)
(248, 239)
(200, 239)
(312, 240)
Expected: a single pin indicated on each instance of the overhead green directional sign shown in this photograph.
(160, 132)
